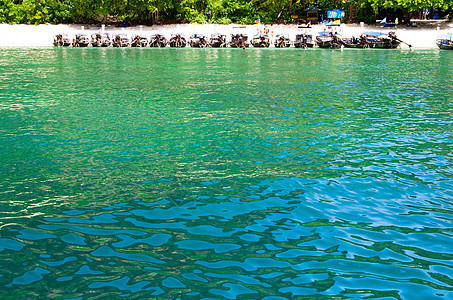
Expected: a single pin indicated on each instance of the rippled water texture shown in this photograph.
(226, 174)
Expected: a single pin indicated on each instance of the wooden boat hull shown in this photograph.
(261, 45)
(62, 44)
(282, 45)
(354, 46)
(328, 44)
(444, 44)
(304, 45)
(218, 45)
(239, 41)
(176, 45)
(81, 45)
(199, 45)
(218, 41)
(140, 43)
(239, 45)
(158, 45)
(352, 43)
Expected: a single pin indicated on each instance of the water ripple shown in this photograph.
(223, 174)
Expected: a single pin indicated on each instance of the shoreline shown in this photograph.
(42, 35)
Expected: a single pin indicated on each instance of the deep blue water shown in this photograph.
(226, 174)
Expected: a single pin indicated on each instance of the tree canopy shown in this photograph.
(194, 11)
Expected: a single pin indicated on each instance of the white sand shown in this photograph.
(422, 37)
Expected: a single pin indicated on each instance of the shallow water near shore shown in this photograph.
(226, 174)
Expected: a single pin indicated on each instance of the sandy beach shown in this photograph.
(421, 37)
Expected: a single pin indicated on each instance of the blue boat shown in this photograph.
(445, 42)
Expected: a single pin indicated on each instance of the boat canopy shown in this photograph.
(375, 33)
(325, 33)
(448, 36)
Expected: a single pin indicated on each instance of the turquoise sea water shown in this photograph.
(226, 174)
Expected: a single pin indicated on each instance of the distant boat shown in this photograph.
(177, 41)
(445, 42)
(158, 41)
(96, 40)
(328, 39)
(121, 40)
(282, 41)
(382, 40)
(81, 40)
(304, 40)
(139, 41)
(260, 41)
(218, 40)
(106, 40)
(353, 42)
(62, 40)
(198, 41)
(239, 41)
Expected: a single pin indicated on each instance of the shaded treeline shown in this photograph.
(197, 11)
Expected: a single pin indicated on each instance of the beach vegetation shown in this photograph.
(199, 11)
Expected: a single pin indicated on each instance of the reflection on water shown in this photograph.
(225, 174)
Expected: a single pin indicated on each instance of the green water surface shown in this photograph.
(226, 174)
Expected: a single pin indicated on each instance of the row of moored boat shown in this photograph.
(326, 39)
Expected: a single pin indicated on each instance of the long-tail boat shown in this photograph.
(81, 40)
(177, 41)
(158, 41)
(62, 40)
(260, 41)
(121, 40)
(198, 41)
(353, 42)
(217, 40)
(239, 41)
(376, 39)
(328, 39)
(304, 40)
(96, 40)
(282, 41)
(445, 42)
(106, 40)
(139, 41)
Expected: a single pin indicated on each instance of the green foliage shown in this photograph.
(195, 11)
(34, 12)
